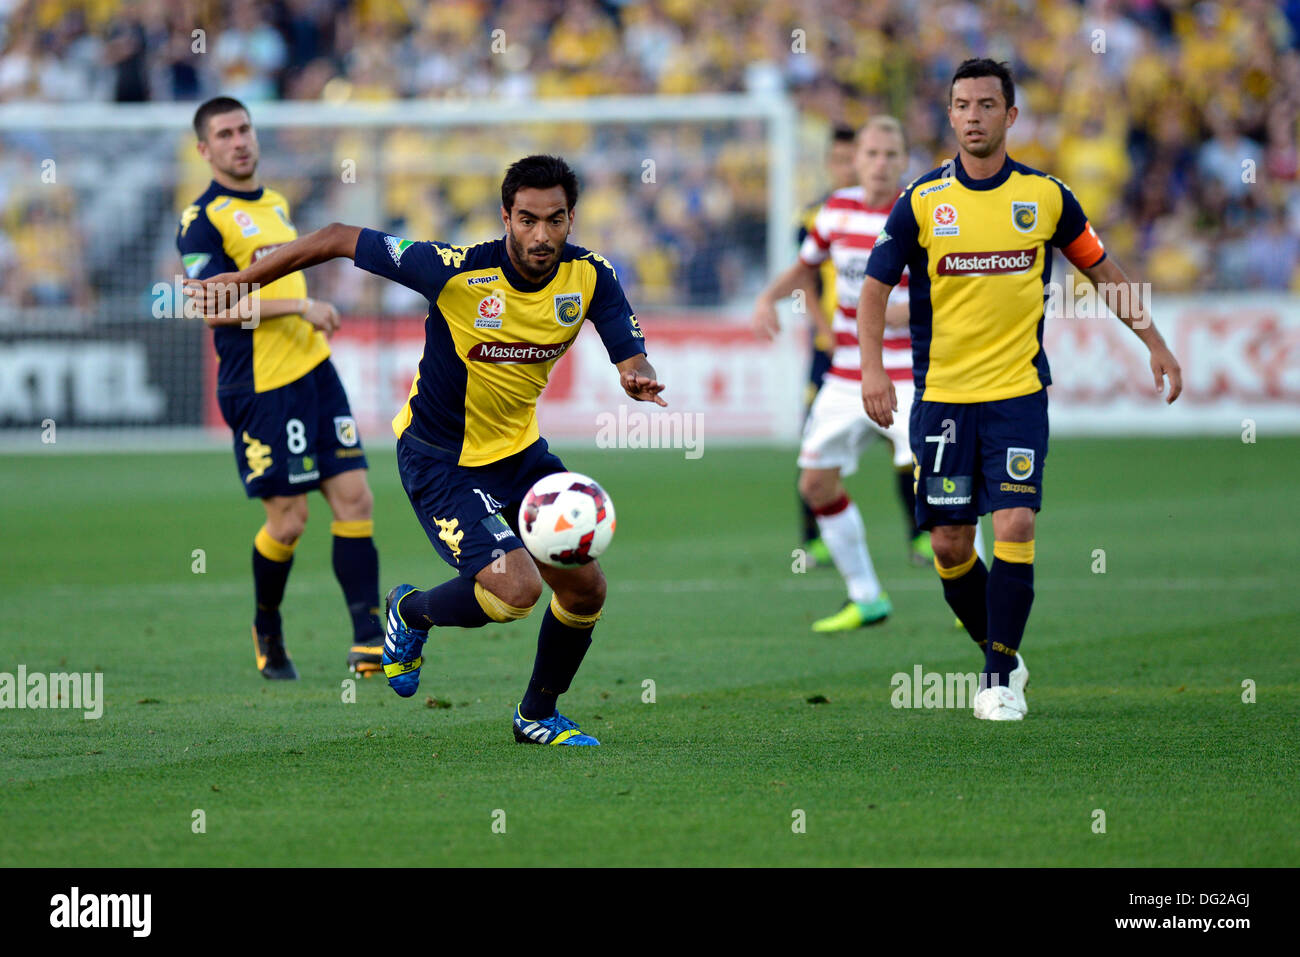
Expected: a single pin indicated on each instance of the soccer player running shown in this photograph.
(819, 290)
(975, 237)
(837, 429)
(278, 392)
(500, 314)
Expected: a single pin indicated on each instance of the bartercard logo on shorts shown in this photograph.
(516, 353)
(948, 490)
(396, 247)
(1000, 263)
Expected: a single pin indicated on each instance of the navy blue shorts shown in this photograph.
(471, 513)
(289, 439)
(977, 457)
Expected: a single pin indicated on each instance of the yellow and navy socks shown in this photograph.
(562, 643)
(453, 603)
(356, 566)
(271, 563)
(965, 588)
(1010, 596)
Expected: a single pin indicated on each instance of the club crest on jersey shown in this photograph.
(1024, 216)
(245, 223)
(1020, 463)
(945, 220)
(568, 308)
(490, 308)
(345, 429)
(284, 218)
(396, 247)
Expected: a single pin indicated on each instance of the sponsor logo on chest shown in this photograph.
(1001, 263)
(490, 310)
(516, 353)
(245, 223)
(945, 220)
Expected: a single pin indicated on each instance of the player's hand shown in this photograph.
(323, 316)
(879, 400)
(217, 295)
(642, 388)
(1164, 364)
(766, 322)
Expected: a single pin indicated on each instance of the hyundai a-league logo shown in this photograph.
(945, 220)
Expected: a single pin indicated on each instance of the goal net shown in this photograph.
(691, 198)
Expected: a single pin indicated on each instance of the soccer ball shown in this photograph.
(566, 519)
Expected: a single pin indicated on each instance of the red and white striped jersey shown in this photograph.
(844, 231)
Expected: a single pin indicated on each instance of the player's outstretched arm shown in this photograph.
(219, 294)
(879, 400)
(798, 276)
(1124, 299)
(639, 381)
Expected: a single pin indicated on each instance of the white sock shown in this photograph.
(846, 539)
(979, 543)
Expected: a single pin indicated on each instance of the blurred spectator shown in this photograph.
(1146, 108)
(126, 52)
(250, 54)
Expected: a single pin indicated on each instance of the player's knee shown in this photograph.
(352, 502)
(287, 520)
(1015, 525)
(585, 598)
(358, 507)
(951, 548)
(817, 488)
(510, 598)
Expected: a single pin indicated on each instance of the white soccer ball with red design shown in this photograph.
(566, 519)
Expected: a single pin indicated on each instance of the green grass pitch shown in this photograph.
(1136, 694)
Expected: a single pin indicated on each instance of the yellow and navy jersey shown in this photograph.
(825, 275)
(979, 257)
(491, 338)
(225, 230)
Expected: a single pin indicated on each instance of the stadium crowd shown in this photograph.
(1174, 121)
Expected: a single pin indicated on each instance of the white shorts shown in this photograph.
(837, 429)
